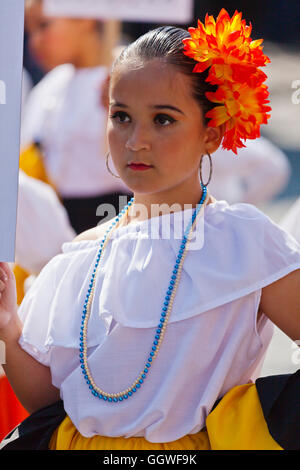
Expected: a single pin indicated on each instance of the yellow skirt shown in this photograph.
(236, 423)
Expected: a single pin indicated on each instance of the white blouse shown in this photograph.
(64, 113)
(213, 340)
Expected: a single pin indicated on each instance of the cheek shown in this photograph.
(111, 136)
(116, 141)
(182, 146)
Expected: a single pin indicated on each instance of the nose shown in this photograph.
(138, 140)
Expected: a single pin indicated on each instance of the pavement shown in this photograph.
(282, 356)
(283, 129)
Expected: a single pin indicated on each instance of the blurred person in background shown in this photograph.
(64, 118)
(257, 174)
(63, 146)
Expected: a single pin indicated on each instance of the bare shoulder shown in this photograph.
(93, 233)
(280, 301)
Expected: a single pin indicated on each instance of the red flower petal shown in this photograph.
(225, 47)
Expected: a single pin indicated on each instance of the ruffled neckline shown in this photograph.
(238, 252)
(148, 225)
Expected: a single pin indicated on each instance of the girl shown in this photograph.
(139, 338)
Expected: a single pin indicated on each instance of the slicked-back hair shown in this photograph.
(165, 43)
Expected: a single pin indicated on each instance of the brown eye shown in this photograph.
(164, 119)
(121, 117)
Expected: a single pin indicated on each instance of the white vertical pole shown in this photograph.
(11, 67)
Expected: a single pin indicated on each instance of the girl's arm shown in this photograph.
(280, 301)
(30, 379)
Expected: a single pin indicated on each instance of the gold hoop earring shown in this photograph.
(109, 170)
(210, 170)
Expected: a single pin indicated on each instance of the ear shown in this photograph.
(213, 138)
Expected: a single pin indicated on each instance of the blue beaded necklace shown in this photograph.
(164, 315)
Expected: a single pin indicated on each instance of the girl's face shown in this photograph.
(154, 120)
(52, 41)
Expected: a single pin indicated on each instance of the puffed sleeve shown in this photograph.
(51, 310)
(35, 312)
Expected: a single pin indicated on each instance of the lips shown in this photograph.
(139, 166)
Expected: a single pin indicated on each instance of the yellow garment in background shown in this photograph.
(237, 423)
(31, 162)
(20, 275)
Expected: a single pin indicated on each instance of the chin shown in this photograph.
(137, 182)
(139, 188)
(146, 189)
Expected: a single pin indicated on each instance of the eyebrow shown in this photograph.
(156, 106)
(167, 106)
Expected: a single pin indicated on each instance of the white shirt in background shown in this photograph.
(254, 176)
(42, 224)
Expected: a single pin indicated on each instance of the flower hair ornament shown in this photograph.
(226, 48)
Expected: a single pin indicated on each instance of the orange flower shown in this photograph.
(242, 108)
(226, 48)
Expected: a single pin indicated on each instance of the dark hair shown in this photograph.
(166, 43)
